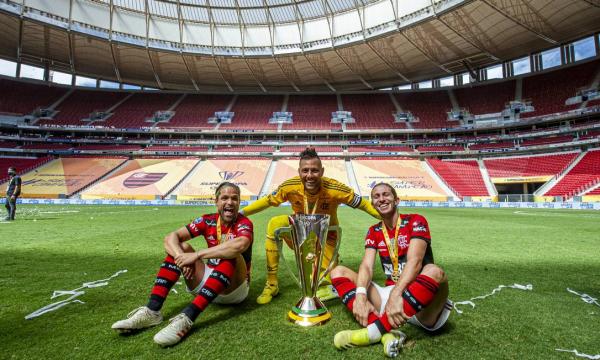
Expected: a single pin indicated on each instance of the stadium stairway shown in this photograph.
(176, 187)
(593, 85)
(486, 179)
(264, 190)
(352, 176)
(550, 184)
(519, 89)
(76, 194)
(54, 105)
(440, 180)
(61, 99)
(453, 100)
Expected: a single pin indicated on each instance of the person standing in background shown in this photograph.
(13, 190)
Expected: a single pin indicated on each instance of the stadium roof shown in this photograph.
(283, 45)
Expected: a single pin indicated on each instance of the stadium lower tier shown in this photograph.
(556, 175)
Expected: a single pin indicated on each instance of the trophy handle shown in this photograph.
(285, 231)
(334, 257)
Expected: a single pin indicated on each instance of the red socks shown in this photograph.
(219, 280)
(165, 279)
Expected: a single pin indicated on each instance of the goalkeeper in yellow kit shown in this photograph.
(308, 193)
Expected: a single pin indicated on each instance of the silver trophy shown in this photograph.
(308, 235)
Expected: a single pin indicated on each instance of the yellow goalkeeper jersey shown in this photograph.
(331, 194)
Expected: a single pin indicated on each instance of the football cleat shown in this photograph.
(392, 343)
(173, 333)
(268, 293)
(138, 319)
(327, 292)
(350, 338)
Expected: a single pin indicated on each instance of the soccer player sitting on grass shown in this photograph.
(416, 289)
(224, 278)
(308, 193)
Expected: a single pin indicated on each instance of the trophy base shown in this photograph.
(309, 312)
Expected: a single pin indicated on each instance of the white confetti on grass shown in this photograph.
(75, 293)
(470, 302)
(585, 297)
(577, 353)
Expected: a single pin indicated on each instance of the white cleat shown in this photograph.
(393, 343)
(138, 319)
(173, 333)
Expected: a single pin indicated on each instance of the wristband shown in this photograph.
(361, 290)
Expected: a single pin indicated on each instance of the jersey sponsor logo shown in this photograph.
(210, 222)
(370, 242)
(388, 268)
(213, 262)
(243, 227)
(230, 175)
(419, 227)
(193, 227)
(198, 221)
(208, 293)
(210, 238)
(141, 179)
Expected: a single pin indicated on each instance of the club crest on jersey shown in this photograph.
(227, 237)
(402, 243)
(141, 179)
(230, 175)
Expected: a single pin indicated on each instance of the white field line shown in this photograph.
(554, 214)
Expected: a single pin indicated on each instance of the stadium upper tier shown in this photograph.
(283, 45)
(551, 92)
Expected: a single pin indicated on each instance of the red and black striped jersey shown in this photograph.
(206, 225)
(412, 226)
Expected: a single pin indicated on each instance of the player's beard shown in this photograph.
(228, 218)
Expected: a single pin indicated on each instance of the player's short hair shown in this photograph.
(309, 153)
(388, 186)
(225, 184)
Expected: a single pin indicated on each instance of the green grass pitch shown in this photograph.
(58, 248)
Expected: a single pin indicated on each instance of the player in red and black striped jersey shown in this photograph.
(411, 226)
(415, 291)
(219, 273)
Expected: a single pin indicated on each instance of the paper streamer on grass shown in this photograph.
(496, 290)
(75, 293)
(585, 297)
(577, 353)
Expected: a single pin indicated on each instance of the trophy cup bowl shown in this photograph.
(309, 237)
